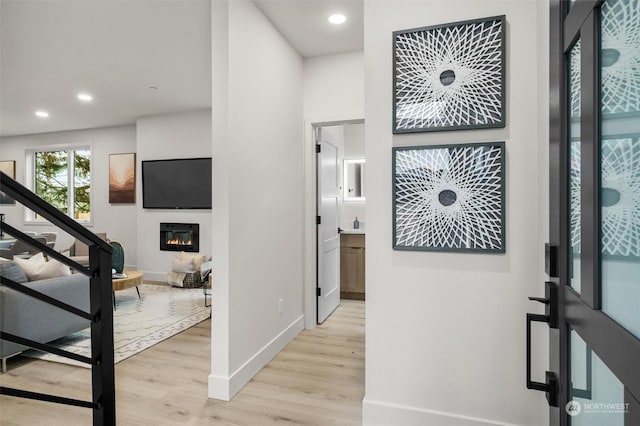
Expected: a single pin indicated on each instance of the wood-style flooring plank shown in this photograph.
(318, 379)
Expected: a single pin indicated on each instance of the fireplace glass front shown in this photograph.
(180, 237)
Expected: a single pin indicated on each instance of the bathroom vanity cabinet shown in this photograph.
(352, 279)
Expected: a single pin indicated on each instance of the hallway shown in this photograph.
(318, 379)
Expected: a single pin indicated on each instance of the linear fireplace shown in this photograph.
(180, 237)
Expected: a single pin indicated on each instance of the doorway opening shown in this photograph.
(340, 214)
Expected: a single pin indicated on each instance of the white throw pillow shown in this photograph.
(198, 259)
(182, 265)
(31, 265)
(37, 268)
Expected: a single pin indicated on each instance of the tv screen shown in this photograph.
(176, 184)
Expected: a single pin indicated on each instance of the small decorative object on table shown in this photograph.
(117, 276)
(118, 257)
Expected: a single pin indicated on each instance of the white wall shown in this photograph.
(354, 147)
(446, 332)
(334, 87)
(117, 220)
(182, 135)
(257, 153)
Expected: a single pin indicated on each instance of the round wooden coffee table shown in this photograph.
(134, 279)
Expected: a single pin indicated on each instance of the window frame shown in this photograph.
(30, 180)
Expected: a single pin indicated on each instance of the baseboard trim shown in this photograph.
(378, 413)
(219, 388)
(225, 388)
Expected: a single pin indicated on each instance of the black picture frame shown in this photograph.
(449, 197)
(9, 168)
(431, 64)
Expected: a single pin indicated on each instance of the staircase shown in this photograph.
(103, 401)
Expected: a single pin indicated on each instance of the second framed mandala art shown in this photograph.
(449, 77)
(449, 197)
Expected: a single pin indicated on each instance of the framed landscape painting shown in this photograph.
(449, 77)
(8, 168)
(122, 178)
(449, 197)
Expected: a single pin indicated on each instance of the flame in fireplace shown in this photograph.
(180, 242)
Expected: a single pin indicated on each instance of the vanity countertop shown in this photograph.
(354, 231)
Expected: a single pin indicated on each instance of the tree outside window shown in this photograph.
(63, 178)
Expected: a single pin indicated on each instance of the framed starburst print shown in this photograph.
(449, 197)
(449, 77)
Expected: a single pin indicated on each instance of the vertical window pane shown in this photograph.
(52, 177)
(63, 179)
(574, 165)
(596, 395)
(82, 184)
(620, 161)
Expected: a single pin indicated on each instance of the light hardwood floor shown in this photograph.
(318, 379)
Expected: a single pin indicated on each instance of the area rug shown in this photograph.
(161, 312)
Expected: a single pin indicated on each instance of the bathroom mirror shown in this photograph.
(354, 180)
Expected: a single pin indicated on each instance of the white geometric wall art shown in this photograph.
(619, 198)
(449, 197)
(449, 77)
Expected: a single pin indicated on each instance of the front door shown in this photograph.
(329, 178)
(594, 255)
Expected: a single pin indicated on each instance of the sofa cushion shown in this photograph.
(11, 270)
(182, 265)
(198, 259)
(37, 268)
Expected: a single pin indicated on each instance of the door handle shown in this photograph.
(550, 386)
(340, 230)
(551, 303)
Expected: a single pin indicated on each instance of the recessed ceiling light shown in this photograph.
(42, 114)
(85, 97)
(337, 19)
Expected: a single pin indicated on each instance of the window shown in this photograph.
(62, 177)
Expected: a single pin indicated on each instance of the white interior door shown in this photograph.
(328, 285)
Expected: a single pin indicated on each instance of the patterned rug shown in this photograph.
(162, 312)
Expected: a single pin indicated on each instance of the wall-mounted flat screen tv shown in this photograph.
(176, 184)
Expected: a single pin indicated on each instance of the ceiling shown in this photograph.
(137, 58)
(304, 23)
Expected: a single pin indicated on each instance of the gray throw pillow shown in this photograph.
(12, 271)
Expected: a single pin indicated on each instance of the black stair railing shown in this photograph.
(103, 401)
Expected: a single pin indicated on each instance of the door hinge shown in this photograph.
(318, 220)
(319, 292)
(318, 148)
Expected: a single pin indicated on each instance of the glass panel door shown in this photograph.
(597, 396)
(595, 212)
(575, 194)
(620, 161)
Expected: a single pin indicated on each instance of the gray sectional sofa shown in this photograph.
(30, 318)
